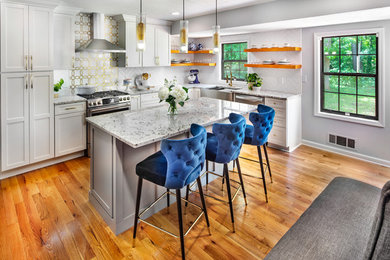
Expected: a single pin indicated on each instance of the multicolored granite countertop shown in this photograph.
(61, 100)
(151, 125)
(264, 93)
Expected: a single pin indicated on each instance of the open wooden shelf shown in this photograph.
(193, 52)
(274, 66)
(273, 49)
(193, 64)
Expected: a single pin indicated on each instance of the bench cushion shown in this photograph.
(337, 225)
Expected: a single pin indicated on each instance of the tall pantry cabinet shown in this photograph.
(27, 111)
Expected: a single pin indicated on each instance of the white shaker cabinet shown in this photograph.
(14, 37)
(149, 55)
(163, 48)
(14, 120)
(41, 116)
(70, 128)
(27, 119)
(26, 38)
(157, 43)
(135, 102)
(286, 132)
(127, 40)
(64, 38)
(149, 100)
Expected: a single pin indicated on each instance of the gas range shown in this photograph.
(106, 98)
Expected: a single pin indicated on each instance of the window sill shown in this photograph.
(362, 121)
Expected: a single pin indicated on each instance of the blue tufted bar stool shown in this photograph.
(178, 164)
(223, 146)
(257, 134)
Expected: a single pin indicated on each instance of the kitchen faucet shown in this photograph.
(231, 76)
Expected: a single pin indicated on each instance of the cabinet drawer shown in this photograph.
(149, 100)
(276, 103)
(278, 136)
(69, 108)
(280, 113)
(281, 122)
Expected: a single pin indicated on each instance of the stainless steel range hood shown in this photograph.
(98, 43)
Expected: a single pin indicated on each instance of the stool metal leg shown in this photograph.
(178, 202)
(168, 199)
(207, 174)
(226, 171)
(241, 180)
(203, 203)
(137, 205)
(262, 172)
(187, 194)
(266, 157)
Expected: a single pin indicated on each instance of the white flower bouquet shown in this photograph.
(173, 95)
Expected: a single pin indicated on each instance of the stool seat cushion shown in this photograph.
(153, 168)
(212, 147)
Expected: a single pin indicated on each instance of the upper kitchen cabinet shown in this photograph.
(26, 38)
(157, 49)
(64, 38)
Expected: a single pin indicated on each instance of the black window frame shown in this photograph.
(357, 75)
(223, 72)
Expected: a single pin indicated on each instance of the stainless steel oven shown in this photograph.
(105, 102)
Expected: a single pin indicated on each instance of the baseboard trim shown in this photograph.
(35, 166)
(352, 154)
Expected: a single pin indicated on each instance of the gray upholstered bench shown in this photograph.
(348, 220)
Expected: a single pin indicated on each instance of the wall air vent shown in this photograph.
(341, 141)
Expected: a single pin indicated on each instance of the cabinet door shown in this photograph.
(149, 53)
(135, 102)
(64, 44)
(133, 57)
(40, 38)
(163, 50)
(70, 133)
(14, 37)
(41, 116)
(14, 121)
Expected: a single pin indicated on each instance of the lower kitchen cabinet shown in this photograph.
(194, 93)
(135, 102)
(70, 128)
(286, 132)
(27, 119)
(149, 100)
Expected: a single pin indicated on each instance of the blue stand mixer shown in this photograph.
(193, 77)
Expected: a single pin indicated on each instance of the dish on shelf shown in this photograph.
(284, 61)
(268, 62)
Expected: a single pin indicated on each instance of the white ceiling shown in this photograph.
(160, 9)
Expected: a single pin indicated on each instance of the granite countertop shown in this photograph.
(151, 125)
(68, 100)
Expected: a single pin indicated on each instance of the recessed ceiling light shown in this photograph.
(175, 13)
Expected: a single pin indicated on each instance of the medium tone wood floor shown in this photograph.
(45, 214)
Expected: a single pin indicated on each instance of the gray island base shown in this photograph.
(121, 140)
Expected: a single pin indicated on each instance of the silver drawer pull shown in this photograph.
(70, 108)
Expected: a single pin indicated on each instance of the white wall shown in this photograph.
(371, 141)
(283, 80)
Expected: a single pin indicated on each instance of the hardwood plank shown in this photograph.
(46, 214)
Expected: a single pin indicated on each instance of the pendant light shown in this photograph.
(140, 29)
(184, 33)
(216, 30)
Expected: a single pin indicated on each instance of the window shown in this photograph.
(349, 75)
(234, 58)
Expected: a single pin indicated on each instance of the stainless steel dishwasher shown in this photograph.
(217, 92)
(248, 99)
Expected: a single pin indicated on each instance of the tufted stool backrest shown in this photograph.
(230, 138)
(262, 123)
(185, 158)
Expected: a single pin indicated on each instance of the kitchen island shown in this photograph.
(121, 140)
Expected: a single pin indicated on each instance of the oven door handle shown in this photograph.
(105, 109)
